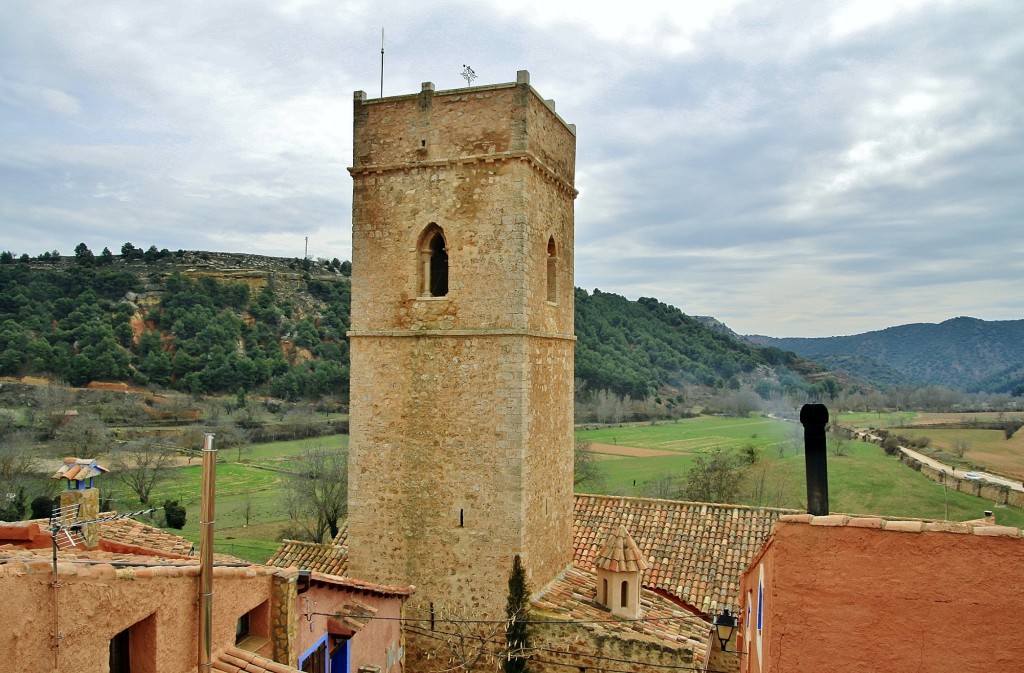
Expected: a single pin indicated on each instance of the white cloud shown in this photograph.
(732, 156)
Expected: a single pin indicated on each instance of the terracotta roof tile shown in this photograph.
(573, 597)
(330, 558)
(353, 583)
(137, 534)
(115, 565)
(975, 527)
(235, 660)
(79, 469)
(620, 553)
(694, 551)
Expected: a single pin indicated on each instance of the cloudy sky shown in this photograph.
(792, 168)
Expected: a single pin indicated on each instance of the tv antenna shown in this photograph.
(382, 61)
(66, 532)
(468, 74)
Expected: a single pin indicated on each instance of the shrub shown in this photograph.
(42, 506)
(891, 446)
(174, 514)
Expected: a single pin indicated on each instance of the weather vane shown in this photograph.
(468, 74)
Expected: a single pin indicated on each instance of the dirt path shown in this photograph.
(631, 451)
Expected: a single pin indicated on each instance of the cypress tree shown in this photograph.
(517, 610)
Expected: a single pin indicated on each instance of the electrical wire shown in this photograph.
(448, 620)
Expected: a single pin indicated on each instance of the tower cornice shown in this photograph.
(488, 158)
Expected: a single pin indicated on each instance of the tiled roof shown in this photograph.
(79, 469)
(574, 595)
(330, 558)
(695, 551)
(352, 583)
(112, 565)
(977, 527)
(620, 553)
(235, 660)
(137, 534)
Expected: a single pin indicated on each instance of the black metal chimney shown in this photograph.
(814, 418)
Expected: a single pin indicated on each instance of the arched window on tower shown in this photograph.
(625, 594)
(552, 271)
(433, 263)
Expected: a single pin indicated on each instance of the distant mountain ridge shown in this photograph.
(962, 353)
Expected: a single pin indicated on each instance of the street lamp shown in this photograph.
(725, 624)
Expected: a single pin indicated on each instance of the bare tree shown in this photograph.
(665, 487)
(714, 478)
(84, 436)
(56, 404)
(17, 469)
(960, 447)
(247, 509)
(317, 496)
(585, 470)
(142, 464)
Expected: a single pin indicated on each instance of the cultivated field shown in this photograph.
(861, 481)
(986, 449)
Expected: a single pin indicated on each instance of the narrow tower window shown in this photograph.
(625, 594)
(433, 263)
(552, 271)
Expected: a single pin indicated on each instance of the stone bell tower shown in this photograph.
(461, 450)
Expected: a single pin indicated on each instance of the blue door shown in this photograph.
(339, 658)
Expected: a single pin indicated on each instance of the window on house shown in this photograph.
(625, 594)
(120, 652)
(242, 628)
(252, 629)
(433, 262)
(552, 271)
(604, 591)
(133, 650)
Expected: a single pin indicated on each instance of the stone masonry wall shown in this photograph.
(573, 647)
(461, 406)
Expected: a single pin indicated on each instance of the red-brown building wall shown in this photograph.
(378, 642)
(841, 595)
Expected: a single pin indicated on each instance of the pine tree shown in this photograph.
(517, 610)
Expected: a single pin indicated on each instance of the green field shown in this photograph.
(255, 484)
(863, 481)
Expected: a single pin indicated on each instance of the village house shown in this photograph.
(114, 595)
(843, 594)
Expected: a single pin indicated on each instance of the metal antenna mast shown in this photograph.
(65, 531)
(382, 61)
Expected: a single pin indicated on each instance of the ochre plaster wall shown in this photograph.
(94, 607)
(461, 406)
(846, 598)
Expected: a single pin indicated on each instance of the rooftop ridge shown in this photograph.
(907, 525)
(722, 505)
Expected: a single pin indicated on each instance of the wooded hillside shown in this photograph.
(213, 323)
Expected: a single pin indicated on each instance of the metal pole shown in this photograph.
(382, 61)
(206, 557)
(814, 418)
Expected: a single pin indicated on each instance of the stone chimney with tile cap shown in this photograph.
(80, 475)
(619, 566)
